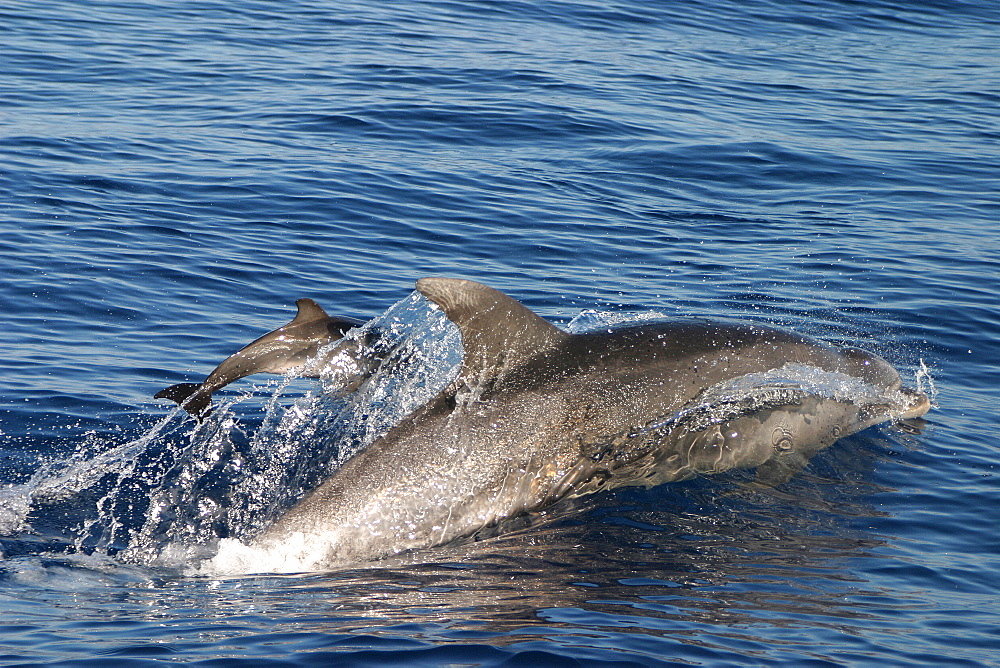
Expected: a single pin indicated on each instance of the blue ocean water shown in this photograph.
(174, 175)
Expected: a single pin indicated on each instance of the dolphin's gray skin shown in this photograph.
(537, 414)
(279, 351)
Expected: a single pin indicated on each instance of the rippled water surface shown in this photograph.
(174, 175)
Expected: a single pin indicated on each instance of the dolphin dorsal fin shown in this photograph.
(308, 312)
(498, 332)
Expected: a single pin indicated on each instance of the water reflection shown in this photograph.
(675, 562)
(688, 571)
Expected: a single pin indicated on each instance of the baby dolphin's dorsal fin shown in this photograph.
(308, 312)
(498, 332)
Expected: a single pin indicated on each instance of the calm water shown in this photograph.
(173, 176)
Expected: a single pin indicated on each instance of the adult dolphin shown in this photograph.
(279, 351)
(536, 414)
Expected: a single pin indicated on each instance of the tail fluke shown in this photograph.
(188, 397)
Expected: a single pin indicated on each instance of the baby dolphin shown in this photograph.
(537, 414)
(279, 351)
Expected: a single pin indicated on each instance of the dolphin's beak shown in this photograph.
(914, 404)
